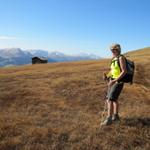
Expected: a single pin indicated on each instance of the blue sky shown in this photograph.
(75, 26)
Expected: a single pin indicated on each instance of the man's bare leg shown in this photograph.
(108, 119)
(116, 117)
(115, 107)
(110, 108)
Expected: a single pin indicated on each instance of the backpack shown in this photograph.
(130, 66)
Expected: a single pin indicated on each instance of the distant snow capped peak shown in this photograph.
(89, 55)
(56, 53)
(38, 52)
(11, 52)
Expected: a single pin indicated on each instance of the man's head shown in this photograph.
(116, 49)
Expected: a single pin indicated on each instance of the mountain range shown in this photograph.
(17, 56)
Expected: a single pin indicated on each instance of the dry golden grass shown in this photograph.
(58, 107)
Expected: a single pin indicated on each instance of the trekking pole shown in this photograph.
(105, 103)
(104, 111)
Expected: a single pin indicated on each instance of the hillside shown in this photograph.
(59, 106)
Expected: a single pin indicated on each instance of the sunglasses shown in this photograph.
(114, 50)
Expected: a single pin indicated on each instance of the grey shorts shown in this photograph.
(114, 91)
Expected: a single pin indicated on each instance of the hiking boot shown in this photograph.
(107, 121)
(116, 118)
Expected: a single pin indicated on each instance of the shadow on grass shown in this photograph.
(137, 121)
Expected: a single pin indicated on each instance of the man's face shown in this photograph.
(114, 51)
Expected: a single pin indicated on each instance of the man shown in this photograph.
(117, 71)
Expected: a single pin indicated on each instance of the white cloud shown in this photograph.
(8, 38)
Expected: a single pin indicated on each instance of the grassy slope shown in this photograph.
(59, 106)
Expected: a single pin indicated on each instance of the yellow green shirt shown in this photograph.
(115, 69)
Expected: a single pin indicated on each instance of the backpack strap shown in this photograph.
(119, 61)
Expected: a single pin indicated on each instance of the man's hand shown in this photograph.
(105, 77)
(111, 82)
